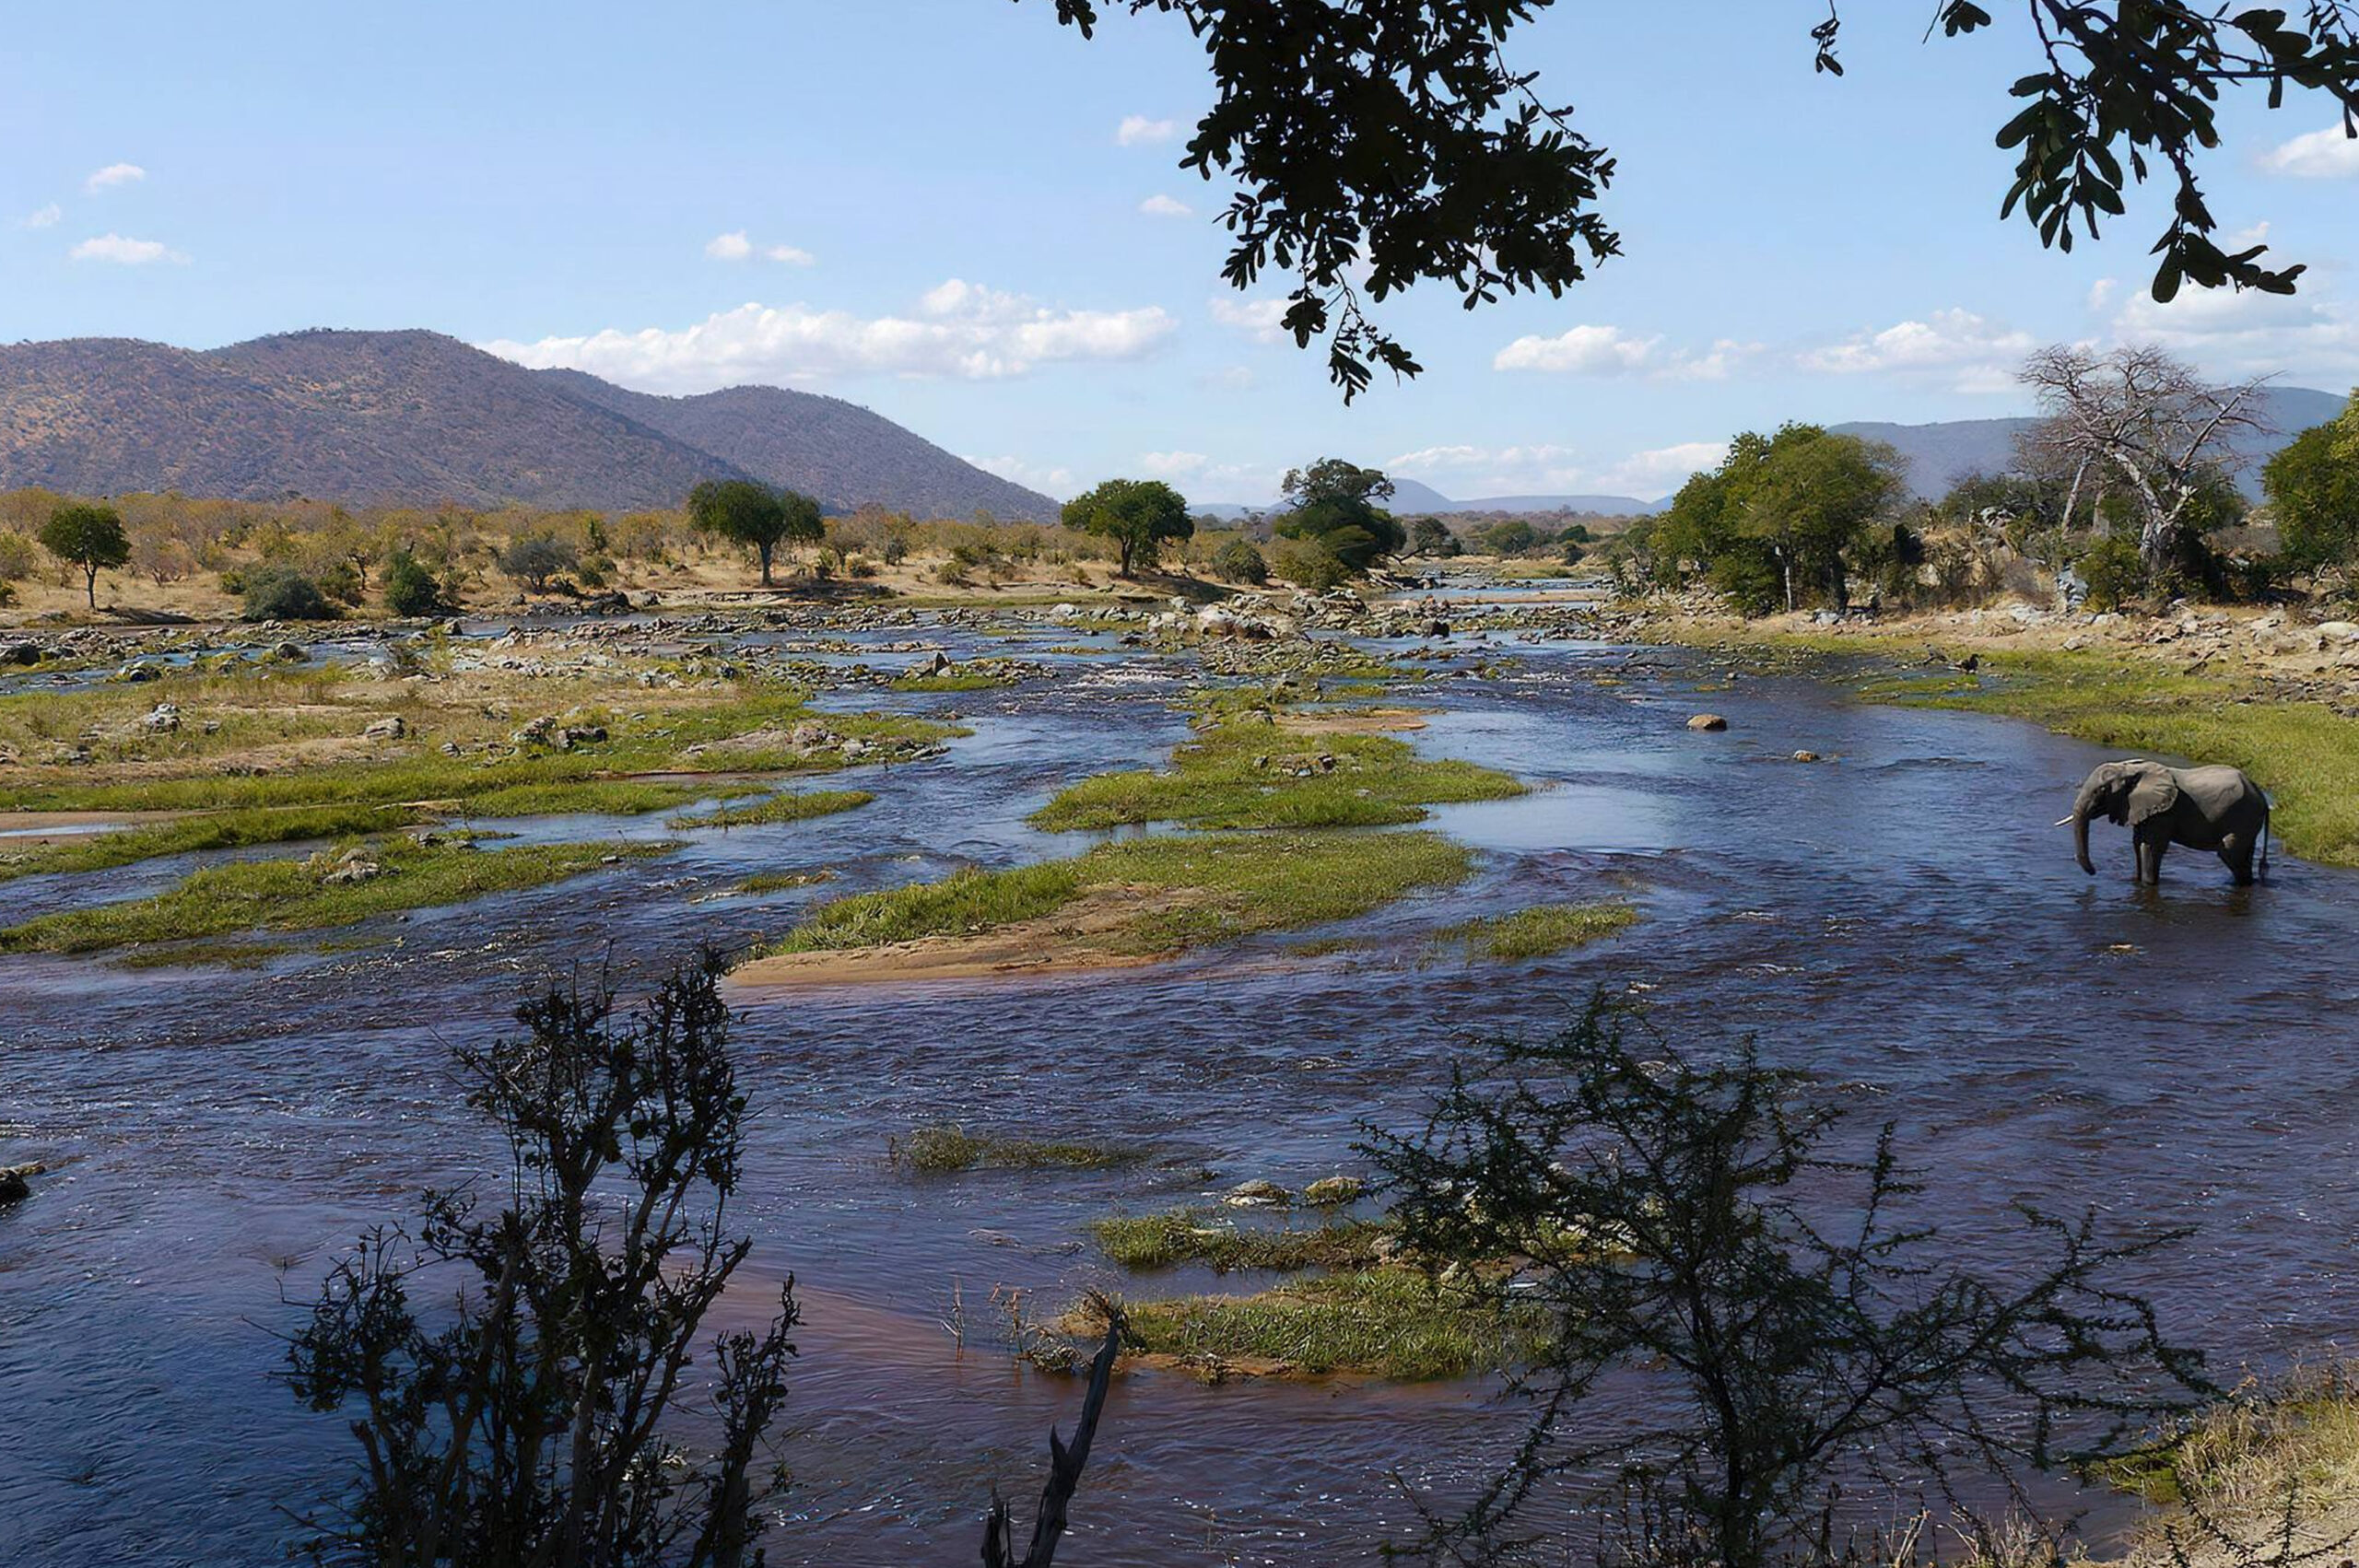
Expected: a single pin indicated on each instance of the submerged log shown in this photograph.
(1066, 1464)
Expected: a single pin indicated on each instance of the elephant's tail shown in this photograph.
(2265, 810)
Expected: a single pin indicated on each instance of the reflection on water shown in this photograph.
(1898, 920)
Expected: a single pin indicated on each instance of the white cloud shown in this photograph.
(1973, 353)
(729, 247)
(1649, 474)
(1175, 465)
(125, 252)
(2311, 335)
(1137, 130)
(47, 218)
(115, 174)
(2320, 155)
(1582, 350)
(1228, 377)
(1262, 319)
(1161, 205)
(1543, 468)
(1053, 481)
(2101, 292)
(793, 256)
(964, 331)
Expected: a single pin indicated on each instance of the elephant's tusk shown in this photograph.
(2062, 821)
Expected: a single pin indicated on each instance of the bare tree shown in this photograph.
(2139, 416)
(1687, 1221)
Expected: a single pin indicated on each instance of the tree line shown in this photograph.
(2125, 490)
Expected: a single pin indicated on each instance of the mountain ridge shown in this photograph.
(417, 418)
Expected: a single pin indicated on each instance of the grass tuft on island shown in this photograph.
(1385, 1322)
(290, 895)
(1247, 772)
(224, 830)
(1220, 887)
(792, 806)
(1194, 1235)
(946, 1149)
(1540, 932)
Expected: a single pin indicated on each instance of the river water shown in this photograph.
(1899, 921)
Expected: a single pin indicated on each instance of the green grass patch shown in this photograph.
(1228, 885)
(1539, 931)
(296, 894)
(1242, 773)
(790, 807)
(954, 681)
(224, 830)
(1207, 1238)
(1388, 1322)
(947, 1150)
(2303, 753)
(750, 733)
(971, 900)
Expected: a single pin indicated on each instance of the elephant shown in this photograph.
(2203, 808)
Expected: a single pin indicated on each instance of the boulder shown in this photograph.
(20, 653)
(389, 728)
(1708, 721)
(15, 1181)
(1334, 1192)
(2339, 631)
(163, 719)
(1806, 756)
(1256, 1194)
(291, 653)
(138, 674)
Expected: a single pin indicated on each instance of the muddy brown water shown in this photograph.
(1899, 921)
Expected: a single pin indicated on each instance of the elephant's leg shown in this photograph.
(2150, 861)
(2236, 853)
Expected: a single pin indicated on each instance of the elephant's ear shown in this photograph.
(2155, 793)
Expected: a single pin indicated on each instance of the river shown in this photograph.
(1899, 920)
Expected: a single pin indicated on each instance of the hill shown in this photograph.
(1939, 454)
(420, 418)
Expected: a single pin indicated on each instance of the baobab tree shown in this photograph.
(2143, 419)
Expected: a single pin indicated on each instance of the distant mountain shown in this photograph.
(822, 445)
(420, 418)
(1412, 498)
(1603, 506)
(1939, 455)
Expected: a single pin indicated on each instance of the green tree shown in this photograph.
(1138, 515)
(533, 558)
(1376, 143)
(755, 515)
(91, 537)
(2313, 488)
(1431, 536)
(1332, 504)
(410, 588)
(1779, 518)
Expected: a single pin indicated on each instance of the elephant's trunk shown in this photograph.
(2083, 809)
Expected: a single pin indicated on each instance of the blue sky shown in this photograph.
(933, 207)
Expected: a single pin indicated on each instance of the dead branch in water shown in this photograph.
(1065, 1463)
